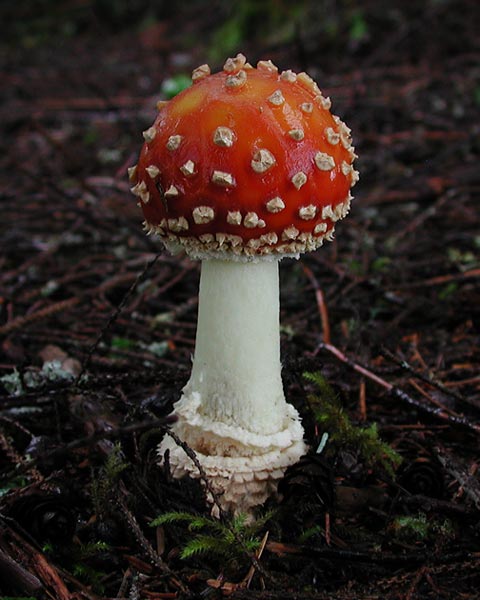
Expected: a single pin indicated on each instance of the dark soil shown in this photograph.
(97, 323)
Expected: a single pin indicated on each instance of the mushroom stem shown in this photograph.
(236, 369)
(233, 412)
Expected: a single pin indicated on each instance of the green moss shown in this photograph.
(330, 414)
(106, 480)
(418, 528)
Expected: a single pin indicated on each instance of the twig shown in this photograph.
(383, 196)
(322, 307)
(328, 529)
(113, 317)
(377, 558)
(147, 547)
(50, 576)
(397, 392)
(426, 378)
(244, 594)
(426, 395)
(227, 587)
(45, 572)
(124, 585)
(354, 365)
(50, 391)
(460, 383)
(468, 483)
(203, 476)
(12, 571)
(439, 280)
(63, 305)
(92, 439)
(422, 571)
(362, 400)
(426, 503)
(251, 572)
(38, 315)
(420, 219)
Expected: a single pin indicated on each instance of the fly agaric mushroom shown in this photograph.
(241, 169)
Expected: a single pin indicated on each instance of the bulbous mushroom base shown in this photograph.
(243, 467)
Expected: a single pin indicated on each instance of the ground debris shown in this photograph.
(97, 322)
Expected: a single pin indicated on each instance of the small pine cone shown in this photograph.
(45, 516)
(422, 476)
(311, 479)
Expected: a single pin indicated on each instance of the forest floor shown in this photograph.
(97, 322)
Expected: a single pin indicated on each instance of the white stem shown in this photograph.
(233, 412)
(236, 369)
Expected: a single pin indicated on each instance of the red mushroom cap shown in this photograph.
(246, 162)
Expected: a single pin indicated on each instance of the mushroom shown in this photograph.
(245, 167)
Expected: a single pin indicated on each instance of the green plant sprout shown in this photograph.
(216, 538)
